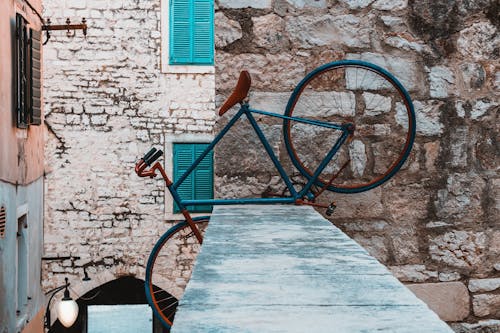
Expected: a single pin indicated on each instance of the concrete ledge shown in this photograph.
(287, 269)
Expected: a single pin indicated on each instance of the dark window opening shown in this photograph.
(22, 265)
(122, 291)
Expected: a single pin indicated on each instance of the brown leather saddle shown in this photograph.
(239, 93)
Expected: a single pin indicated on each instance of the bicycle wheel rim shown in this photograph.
(155, 295)
(405, 149)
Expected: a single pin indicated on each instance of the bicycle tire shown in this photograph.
(339, 80)
(161, 301)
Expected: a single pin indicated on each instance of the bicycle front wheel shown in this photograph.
(171, 261)
(360, 93)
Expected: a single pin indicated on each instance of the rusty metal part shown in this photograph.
(68, 27)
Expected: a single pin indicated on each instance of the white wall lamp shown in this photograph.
(66, 308)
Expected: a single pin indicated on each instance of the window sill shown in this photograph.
(187, 69)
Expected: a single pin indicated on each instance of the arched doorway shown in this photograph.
(119, 296)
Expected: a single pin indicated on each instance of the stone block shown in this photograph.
(482, 108)
(478, 41)
(308, 3)
(462, 249)
(407, 204)
(450, 300)
(404, 69)
(473, 76)
(449, 276)
(405, 245)
(427, 115)
(269, 32)
(442, 81)
(484, 285)
(307, 31)
(431, 155)
(458, 146)
(390, 4)
(375, 246)
(368, 205)
(267, 71)
(482, 326)
(403, 42)
(357, 4)
(413, 273)
(226, 30)
(461, 199)
(259, 4)
(486, 305)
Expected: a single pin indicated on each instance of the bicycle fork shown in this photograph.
(140, 170)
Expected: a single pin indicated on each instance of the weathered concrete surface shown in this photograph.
(287, 269)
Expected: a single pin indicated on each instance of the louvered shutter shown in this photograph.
(203, 32)
(36, 114)
(191, 32)
(204, 173)
(183, 157)
(180, 31)
(199, 184)
(22, 72)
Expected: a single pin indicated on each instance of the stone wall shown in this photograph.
(107, 103)
(436, 224)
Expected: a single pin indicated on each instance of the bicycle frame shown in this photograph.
(294, 194)
(303, 196)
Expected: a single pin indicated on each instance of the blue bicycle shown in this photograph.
(348, 127)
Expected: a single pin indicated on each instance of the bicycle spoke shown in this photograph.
(375, 103)
(168, 307)
(165, 299)
(175, 251)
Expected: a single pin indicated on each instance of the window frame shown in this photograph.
(165, 48)
(170, 140)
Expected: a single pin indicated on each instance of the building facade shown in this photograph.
(113, 95)
(127, 87)
(22, 143)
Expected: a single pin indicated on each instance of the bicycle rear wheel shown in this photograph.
(357, 92)
(172, 257)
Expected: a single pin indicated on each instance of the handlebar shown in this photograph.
(149, 158)
(152, 156)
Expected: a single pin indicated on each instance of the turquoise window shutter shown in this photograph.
(204, 175)
(191, 32)
(203, 32)
(199, 184)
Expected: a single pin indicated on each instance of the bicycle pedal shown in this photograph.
(331, 208)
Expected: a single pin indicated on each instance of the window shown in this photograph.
(22, 265)
(199, 184)
(28, 83)
(191, 32)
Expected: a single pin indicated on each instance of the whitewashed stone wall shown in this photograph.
(437, 223)
(107, 103)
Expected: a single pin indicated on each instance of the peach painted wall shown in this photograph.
(36, 324)
(21, 150)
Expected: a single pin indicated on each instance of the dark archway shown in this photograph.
(125, 290)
